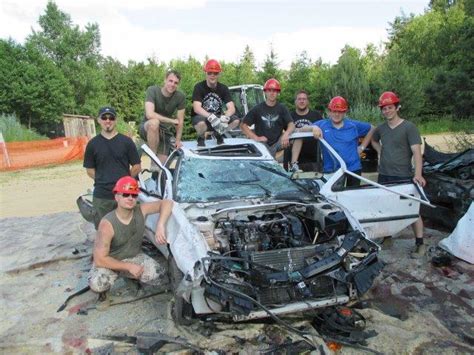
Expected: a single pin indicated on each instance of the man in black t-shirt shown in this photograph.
(272, 120)
(213, 109)
(304, 152)
(109, 156)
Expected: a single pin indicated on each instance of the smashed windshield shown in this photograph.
(206, 180)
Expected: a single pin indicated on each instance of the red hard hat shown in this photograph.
(338, 104)
(388, 98)
(127, 185)
(212, 66)
(272, 84)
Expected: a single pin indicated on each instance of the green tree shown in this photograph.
(320, 85)
(32, 86)
(270, 68)
(75, 52)
(434, 52)
(349, 77)
(246, 68)
(297, 79)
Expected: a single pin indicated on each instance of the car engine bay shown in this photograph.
(275, 257)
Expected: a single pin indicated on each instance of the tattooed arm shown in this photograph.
(105, 234)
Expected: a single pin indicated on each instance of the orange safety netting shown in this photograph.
(21, 155)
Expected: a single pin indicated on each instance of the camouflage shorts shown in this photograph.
(101, 279)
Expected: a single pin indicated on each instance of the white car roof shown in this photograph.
(246, 86)
(236, 148)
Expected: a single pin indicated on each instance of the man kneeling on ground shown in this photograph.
(117, 248)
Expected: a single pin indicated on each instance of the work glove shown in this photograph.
(214, 121)
(221, 128)
(224, 119)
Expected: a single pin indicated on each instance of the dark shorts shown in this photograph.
(385, 179)
(196, 119)
(166, 142)
(274, 148)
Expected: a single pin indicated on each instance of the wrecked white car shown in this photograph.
(246, 241)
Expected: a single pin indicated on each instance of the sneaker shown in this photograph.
(103, 302)
(104, 305)
(201, 142)
(294, 167)
(219, 139)
(420, 251)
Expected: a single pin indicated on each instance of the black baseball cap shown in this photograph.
(107, 110)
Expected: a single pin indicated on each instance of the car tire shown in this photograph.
(181, 310)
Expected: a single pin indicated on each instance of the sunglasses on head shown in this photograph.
(108, 117)
(126, 195)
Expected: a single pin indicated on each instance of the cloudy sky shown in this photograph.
(167, 29)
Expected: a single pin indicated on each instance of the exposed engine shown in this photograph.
(271, 258)
(269, 231)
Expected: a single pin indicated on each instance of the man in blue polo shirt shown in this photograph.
(343, 135)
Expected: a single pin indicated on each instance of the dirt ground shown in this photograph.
(414, 308)
(39, 191)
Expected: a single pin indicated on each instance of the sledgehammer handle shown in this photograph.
(80, 292)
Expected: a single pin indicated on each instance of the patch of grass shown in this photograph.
(13, 131)
(425, 124)
(433, 125)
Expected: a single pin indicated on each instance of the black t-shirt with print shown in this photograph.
(213, 100)
(269, 121)
(310, 146)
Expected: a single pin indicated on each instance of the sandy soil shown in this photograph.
(40, 191)
(415, 308)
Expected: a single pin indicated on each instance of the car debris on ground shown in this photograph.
(449, 184)
(413, 306)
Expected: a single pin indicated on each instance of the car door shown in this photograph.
(383, 210)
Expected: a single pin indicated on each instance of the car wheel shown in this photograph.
(181, 310)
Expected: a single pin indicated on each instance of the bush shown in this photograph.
(127, 128)
(13, 131)
(366, 113)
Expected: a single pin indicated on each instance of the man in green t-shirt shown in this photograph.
(397, 142)
(158, 126)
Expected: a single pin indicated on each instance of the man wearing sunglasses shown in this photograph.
(213, 109)
(109, 156)
(117, 247)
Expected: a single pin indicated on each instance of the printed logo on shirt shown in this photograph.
(303, 122)
(212, 103)
(270, 119)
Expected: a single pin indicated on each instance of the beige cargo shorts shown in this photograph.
(101, 279)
